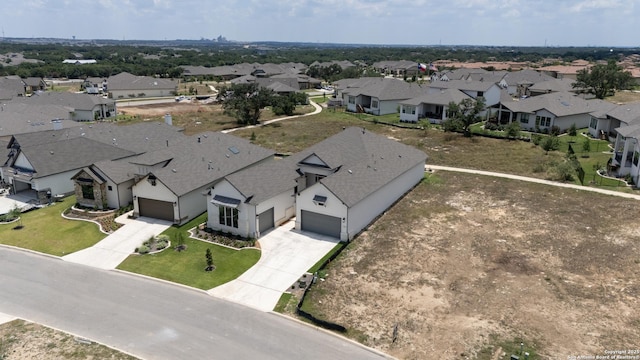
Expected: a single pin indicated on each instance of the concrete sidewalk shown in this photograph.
(286, 255)
(112, 250)
(534, 180)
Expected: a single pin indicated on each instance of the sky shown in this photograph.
(610, 23)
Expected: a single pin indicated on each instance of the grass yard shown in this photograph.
(187, 267)
(46, 231)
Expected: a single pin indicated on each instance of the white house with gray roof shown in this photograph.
(172, 183)
(626, 156)
(336, 187)
(45, 161)
(432, 106)
(82, 107)
(125, 85)
(543, 112)
(377, 96)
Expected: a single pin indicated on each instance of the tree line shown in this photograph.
(166, 61)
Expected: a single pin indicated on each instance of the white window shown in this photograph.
(594, 123)
(228, 216)
(374, 104)
(524, 118)
(352, 99)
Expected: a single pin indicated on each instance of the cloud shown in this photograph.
(588, 5)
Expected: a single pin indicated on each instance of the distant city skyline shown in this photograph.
(609, 23)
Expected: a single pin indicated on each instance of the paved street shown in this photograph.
(153, 319)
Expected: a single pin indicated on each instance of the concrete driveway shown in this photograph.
(112, 250)
(7, 202)
(286, 255)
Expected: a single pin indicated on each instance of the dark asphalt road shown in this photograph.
(152, 319)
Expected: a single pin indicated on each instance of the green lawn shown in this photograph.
(187, 267)
(46, 231)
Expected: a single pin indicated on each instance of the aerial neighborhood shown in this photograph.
(290, 174)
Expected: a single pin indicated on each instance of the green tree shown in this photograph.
(602, 80)
(586, 145)
(464, 114)
(286, 104)
(245, 101)
(572, 130)
(512, 130)
(209, 258)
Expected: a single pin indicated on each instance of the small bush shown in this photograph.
(536, 139)
(555, 130)
(572, 130)
(550, 143)
(161, 245)
(162, 237)
(143, 249)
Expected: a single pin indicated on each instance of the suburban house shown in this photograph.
(396, 67)
(489, 90)
(34, 84)
(126, 85)
(541, 113)
(377, 96)
(95, 85)
(42, 163)
(168, 183)
(229, 72)
(432, 106)
(626, 146)
(82, 107)
(336, 187)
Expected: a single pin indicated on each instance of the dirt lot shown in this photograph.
(468, 266)
(22, 340)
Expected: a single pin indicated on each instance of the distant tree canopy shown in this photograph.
(603, 80)
(164, 59)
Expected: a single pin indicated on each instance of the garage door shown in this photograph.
(321, 224)
(156, 209)
(266, 220)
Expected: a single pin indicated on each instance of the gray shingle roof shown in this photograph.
(367, 162)
(628, 113)
(60, 156)
(469, 85)
(71, 100)
(385, 89)
(526, 75)
(559, 104)
(443, 97)
(553, 85)
(196, 164)
(20, 118)
(127, 81)
(137, 138)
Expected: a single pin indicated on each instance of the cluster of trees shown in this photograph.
(245, 102)
(603, 80)
(165, 59)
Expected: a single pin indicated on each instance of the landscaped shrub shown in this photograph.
(491, 126)
(550, 143)
(555, 130)
(161, 245)
(143, 249)
(162, 237)
(536, 139)
(572, 130)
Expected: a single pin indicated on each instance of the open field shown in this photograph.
(625, 97)
(21, 340)
(466, 266)
(193, 117)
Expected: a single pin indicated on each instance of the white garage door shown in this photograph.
(321, 224)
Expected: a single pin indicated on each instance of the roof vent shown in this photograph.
(51, 152)
(174, 170)
(227, 155)
(349, 171)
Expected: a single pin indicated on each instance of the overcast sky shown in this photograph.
(417, 22)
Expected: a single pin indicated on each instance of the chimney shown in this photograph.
(167, 119)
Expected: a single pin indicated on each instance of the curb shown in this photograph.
(344, 338)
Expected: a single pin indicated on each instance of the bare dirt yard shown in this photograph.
(21, 340)
(467, 267)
